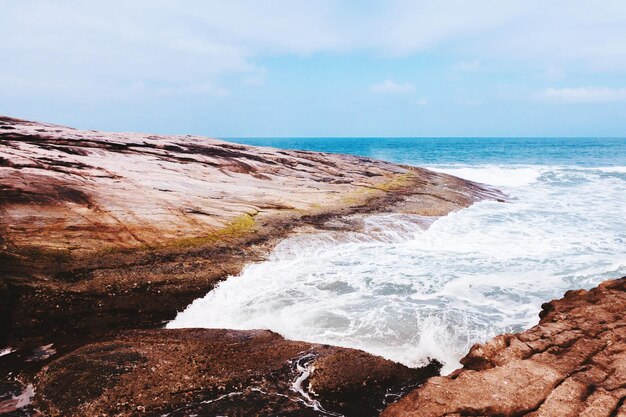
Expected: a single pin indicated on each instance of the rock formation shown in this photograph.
(219, 372)
(573, 363)
(66, 192)
(102, 232)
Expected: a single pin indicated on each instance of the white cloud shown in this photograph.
(111, 46)
(583, 95)
(392, 87)
(410, 26)
(82, 50)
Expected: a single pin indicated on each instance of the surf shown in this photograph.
(413, 289)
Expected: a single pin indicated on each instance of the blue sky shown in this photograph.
(318, 68)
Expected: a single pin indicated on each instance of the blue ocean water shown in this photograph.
(411, 288)
(585, 152)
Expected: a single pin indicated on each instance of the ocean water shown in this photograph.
(411, 288)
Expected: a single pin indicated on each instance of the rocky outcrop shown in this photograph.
(573, 363)
(219, 372)
(66, 192)
(102, 231)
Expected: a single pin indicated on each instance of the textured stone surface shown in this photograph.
(218, 372)
(573, 363)
(66, 192)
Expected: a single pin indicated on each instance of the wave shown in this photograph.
(493, 174)
(616, 169)
(409, 288)
(517, 175)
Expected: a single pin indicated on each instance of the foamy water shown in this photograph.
(410, 288)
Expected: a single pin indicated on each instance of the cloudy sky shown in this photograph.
(318, 68)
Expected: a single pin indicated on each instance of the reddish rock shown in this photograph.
(573, 363)
(68, 193)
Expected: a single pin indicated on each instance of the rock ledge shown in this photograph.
(219, 372)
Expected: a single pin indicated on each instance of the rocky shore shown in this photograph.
(573, 363)
(220, 372)
(105, 232)
(105, 236)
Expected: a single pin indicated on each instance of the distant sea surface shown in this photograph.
(411, 288)
(585, 152)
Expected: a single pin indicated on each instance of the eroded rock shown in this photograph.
(573, 363)
(101, 232)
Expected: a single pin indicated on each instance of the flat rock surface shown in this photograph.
(573, 363)
(67, 192)
(210, 372)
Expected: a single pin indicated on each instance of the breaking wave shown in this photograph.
(412, 289)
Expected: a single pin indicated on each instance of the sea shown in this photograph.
(413, 289)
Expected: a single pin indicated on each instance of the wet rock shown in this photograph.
(573, 363)
(219, 372)
(102, 232)
(15, 399)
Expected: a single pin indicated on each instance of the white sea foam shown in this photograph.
(6, 351)
(494, 175)
(410, 291)
(621, 170)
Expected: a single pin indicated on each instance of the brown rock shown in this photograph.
(573, 363)
(218, 372)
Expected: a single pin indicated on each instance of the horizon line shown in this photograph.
(419, 137)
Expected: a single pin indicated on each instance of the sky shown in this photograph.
(234, 68)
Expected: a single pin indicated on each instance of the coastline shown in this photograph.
(82, 323)
(570, 364)
(62, 288)
(80, 232)
(407, 209)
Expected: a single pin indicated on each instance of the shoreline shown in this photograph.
(158, 277)
(82, 322)
(61, 297)
(574, 358)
